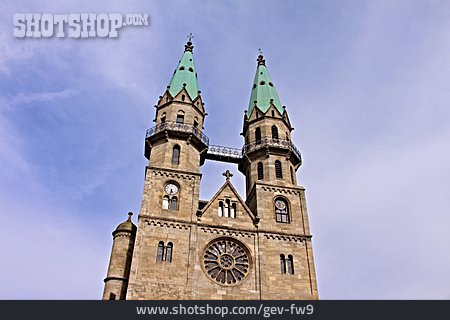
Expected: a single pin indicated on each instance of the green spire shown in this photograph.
(185, 74)
(263, 90)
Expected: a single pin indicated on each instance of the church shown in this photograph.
(228, 247)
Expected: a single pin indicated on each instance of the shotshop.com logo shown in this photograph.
(74, 25)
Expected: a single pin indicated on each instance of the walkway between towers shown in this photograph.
(224, 154)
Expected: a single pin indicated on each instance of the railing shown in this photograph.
(180, 127)
(271, 142)
(221, 151)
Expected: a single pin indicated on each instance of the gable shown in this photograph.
(227, 209)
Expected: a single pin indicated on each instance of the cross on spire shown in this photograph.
(260, 52)
(190, 36)
(227, 174)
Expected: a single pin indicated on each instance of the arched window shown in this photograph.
(278, 170)
(176, 154)
(160, 251)
(273, 113)
(195, 122)
(163, 118)
(180, 117)
(183, 97)
(260, 171)
(281, 210)
(274, 132)
(283, 263)
(220, 209)
(258, 135)
(226, 211)
(173, 204)
(292, 175)
(165, 204)
(169, 252)
(290, 264)
(112, 296)
(233, 210)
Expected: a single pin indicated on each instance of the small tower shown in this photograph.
(116, 281)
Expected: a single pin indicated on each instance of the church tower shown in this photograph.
(270, 161)
(225, 247)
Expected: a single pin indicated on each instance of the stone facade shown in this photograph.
(227, 247)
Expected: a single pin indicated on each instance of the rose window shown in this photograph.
(226, 261)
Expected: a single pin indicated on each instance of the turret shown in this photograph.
(116, 282)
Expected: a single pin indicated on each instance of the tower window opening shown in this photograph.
(283, 263)
(271, 84)
(181, 68)
(112, 296)
(287, 136)
(290, 264)
(281, 211)
(180, 117)
(274, 132)
(195, 122)
(160, 251)
(176, 155)
(183, 97)
(260, 171)
(163, 118)
(278, 170)
(273, 113)
(173, 203)
(169, 252)
(191, 70)
(258, 135)
(165, 204)
(262, 83)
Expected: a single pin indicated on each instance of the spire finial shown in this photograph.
(227, 174)
(189, 46)
(129, 215)
(261, 61)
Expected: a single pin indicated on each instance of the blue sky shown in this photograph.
(366, 85)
